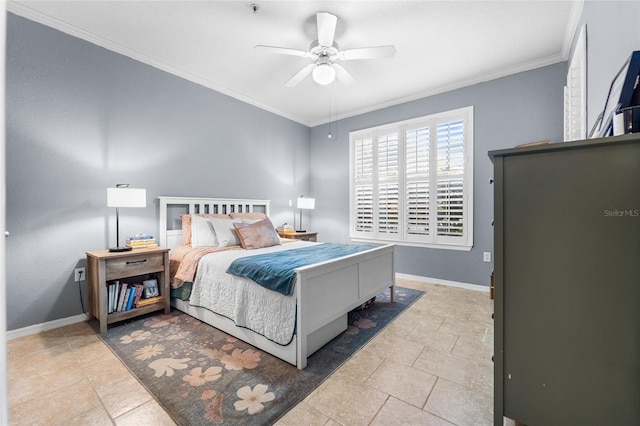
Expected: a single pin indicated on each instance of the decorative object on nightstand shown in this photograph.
(128, 270)
(286, 228)
(123, 196)
(304, 203)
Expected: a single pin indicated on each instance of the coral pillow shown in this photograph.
(246, 217)
(257, 235)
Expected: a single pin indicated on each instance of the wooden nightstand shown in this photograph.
(305, 236)
(105, 267)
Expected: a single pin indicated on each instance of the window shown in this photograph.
(411, 182)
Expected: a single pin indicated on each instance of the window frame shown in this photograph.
(404, 237)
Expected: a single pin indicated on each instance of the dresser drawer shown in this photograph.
(134, 265)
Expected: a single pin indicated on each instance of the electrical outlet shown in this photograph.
(79, 274)
(486, 256)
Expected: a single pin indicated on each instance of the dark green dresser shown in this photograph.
(567, 283)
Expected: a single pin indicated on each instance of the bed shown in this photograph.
(323, 293)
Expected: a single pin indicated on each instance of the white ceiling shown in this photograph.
(441, 45)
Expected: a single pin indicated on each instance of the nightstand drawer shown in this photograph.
(134, 265)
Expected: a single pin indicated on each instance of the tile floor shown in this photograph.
(431, 366)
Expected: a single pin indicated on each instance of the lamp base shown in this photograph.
(301, 230)
(116, 249)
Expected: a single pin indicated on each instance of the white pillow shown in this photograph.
(226, 234)
(202, 233)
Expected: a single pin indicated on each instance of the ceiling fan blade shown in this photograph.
(368, 53)
(300, 75)
(326, 28)
(344, 76)
(283, 51)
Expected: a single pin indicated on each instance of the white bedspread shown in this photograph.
(247, 304)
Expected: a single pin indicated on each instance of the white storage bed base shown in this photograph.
(325, 292)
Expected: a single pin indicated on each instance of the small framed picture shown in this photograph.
(150, 288)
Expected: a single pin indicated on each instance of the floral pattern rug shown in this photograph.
(201, 375)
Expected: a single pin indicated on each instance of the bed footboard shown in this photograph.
(327, 291)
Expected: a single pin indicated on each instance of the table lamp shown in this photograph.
(305, 203)
(123, 196)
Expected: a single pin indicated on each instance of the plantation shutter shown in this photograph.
(417, 183)
(363, 155)
(450, 179)
(388, 168)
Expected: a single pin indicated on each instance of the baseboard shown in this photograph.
(49, 325)
(38, 328)
(475, 287)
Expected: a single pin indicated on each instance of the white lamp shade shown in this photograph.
(324, 74)
(126, 197)
(306, 203)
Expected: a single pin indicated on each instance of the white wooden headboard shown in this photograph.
(171, 234)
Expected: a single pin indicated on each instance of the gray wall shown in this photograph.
(517, 109)
(80, 119)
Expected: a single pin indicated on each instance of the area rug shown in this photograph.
(201, 375)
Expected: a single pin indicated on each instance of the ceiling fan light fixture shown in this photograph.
(325, 55)
(324, 74)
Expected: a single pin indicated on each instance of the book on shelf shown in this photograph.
(150, 301)
(110, 295)
(124, 297)
(125, 300)
(116, 295)
(131, 292)
(123, 293)
(139, 291)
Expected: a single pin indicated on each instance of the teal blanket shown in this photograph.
(275, 271)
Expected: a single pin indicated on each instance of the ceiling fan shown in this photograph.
(324, 53)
